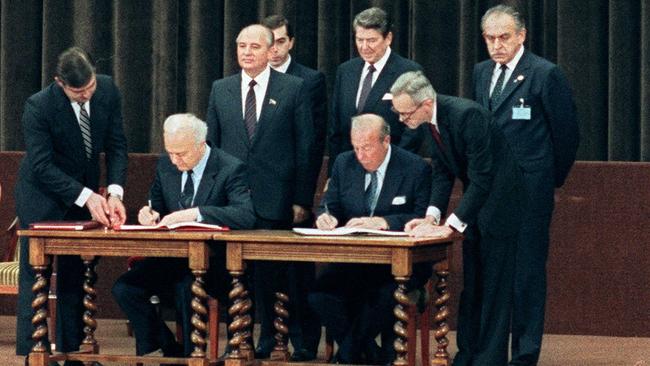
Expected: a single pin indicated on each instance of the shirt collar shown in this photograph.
(379, 65)
(381, 170)
(284, 67)
(513, 63)
(262, 79)
(434, 114)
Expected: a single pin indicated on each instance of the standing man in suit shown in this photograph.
(467, 145)
(362, 83)
(66, 126)
(262, 117)
(378, 186)
(531, 102)
(193, 182)
(304, 327)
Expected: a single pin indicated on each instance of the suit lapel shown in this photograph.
(390, 186)
(234, 94)
(519, 74)
(349, 97)
(66, 116)
(382, 84)
(207, 180)
(447, 155)
(269, 105)
(358, 184)
(484, 84)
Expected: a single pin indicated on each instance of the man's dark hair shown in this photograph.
(276, 21)
(75, 67)
(373, 18)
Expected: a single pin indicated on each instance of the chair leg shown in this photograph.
(51, 305)
(425, 330)
(213, 328)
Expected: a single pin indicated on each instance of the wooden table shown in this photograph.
(400, 252)
(92, 243)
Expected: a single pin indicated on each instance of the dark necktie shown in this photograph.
(250, 115)
(365, 88)
(371, 193)
(498, 87)
(436, 136)
(188, 192)
(84, 124)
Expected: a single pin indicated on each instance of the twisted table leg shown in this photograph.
(240, 346)
(441, 357)
(280, 351)
(400, 327)
(90, 304)
(39, 304)
(199, 314)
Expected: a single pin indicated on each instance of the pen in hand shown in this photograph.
(155, 220)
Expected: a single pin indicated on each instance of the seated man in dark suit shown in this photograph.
(214, 191)
(376, 186)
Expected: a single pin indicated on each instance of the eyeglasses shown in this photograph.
(406, 115)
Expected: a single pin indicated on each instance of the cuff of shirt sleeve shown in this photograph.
(435, 212)
(83, 197)
(454, 222)
(116, 190)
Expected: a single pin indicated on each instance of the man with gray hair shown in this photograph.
(362, 83)
(376, 186)
(465, 144)
(531, 101)
(263, 117)
(193, 182)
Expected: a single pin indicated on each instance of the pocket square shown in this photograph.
(399, 200)
(387, 96)
(272, 102)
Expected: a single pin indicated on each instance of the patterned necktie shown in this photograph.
(250, 115)
(84, 124)
(188, 192)
(370, 194)
(498, 87)
(365, 88)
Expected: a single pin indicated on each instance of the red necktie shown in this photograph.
(436, 136)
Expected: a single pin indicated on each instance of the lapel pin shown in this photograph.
(519, 78)
(272, 101)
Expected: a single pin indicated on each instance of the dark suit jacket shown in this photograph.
(280, 159)
(223, 197)
(344, 97)
(315, 86)
(55, 169)
(549, 140)
(404, 194)
(475, 152)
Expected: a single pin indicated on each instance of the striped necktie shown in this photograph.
(84, 124)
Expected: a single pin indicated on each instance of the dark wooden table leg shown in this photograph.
(441, 356)
(401, 322)
(89, 343)
(240, 347)
(199, 314)
(40, 354)
(281, 351)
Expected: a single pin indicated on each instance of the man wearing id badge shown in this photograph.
(531, 101)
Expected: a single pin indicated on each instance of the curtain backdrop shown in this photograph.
(164, 54)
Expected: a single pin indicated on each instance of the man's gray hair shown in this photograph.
(370, 121)
(186, 122)
(520, 23)
(268, 34)
(373, 18)
(415, 85)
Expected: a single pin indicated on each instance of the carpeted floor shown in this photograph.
(558, 350)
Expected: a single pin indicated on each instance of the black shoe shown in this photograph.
(302, 355)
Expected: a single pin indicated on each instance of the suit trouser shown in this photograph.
(354, 302)
(485, 301)
(171, 280)
(295, 280)
(530, 269)
(69, 323)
